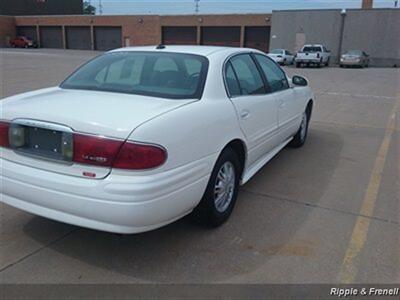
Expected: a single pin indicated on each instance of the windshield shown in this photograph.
(311, 49)
(277, 51)
(165, 75)
(354, 52)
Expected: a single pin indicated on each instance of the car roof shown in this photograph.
(189, 49)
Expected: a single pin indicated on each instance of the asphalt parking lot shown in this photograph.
(326, 213)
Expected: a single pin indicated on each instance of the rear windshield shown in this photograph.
(277, 51)
(165, 75)
(354, 52)
(312, 49)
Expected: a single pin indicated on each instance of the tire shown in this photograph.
(298, 65)
(300, 137)
(209, 211)
(327, 63)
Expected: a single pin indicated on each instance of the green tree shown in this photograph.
(88, 9)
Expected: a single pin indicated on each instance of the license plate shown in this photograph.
(46, 143)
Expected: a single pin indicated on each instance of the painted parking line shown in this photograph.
(350, 262)
(357, 95)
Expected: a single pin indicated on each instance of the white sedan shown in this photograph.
(282, 56)
(140, 137)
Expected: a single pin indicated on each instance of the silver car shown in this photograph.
(355, 58)
(282, 56)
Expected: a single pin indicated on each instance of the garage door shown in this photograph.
(78, 37)
(257, 37)
(107, 38)
(220, 36)
(51, 37)
(175, 35)
(28, 31)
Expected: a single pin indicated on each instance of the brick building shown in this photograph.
(107, 32)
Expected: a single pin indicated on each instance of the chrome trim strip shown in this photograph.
(42, 124)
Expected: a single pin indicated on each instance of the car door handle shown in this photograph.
(244, 114)
(281, 103)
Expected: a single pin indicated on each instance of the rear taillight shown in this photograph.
(100, 151)
(139, 156)
(95, 150)
(4, 129)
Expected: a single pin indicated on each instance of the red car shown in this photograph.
(22, 42)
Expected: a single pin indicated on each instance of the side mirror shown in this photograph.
(299, 80)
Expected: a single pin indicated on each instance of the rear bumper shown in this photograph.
(350, 63)
(308, 60)
(118, 203)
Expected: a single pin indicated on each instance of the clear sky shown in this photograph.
(168, 7)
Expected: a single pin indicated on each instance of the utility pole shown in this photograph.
(100, 8)
(340, 47)
(196, 6)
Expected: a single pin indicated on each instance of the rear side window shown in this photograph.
(231, 81)
(248, 76)
(276, 78)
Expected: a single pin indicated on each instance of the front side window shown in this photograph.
(165, 75)
(276, 78)
(248, 76)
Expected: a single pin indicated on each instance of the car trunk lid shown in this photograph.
(49, 118)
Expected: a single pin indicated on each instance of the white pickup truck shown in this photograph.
(313, 55)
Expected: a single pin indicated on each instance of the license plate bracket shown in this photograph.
(41, 142)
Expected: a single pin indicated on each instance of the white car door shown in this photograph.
(256, 109)
(289, 106)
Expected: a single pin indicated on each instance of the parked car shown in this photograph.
(313, 55)
(22, 42)
(356, 58)
(282, 56)
(140, 137)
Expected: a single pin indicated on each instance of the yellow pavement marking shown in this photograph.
(348, 270)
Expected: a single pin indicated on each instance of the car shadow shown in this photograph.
(183, 252)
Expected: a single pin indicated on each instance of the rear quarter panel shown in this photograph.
(192, 132)
(199, 129)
